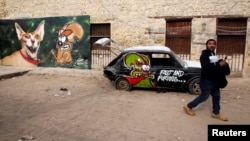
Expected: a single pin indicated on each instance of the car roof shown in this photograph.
(153, 48)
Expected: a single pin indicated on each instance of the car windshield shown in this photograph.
(178, 59)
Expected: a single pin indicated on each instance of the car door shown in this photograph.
(167, 72)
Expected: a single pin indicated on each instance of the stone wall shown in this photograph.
(129, 19)
(132, 19)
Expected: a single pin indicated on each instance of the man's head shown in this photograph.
(211, 44)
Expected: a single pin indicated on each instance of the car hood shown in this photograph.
(192, 64)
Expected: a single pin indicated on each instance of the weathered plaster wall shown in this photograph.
(132, 19)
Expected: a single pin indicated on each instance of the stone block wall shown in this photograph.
(131, 20)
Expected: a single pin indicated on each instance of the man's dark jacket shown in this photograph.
(213, 71)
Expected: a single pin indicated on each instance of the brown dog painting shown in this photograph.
(68, 35)
(30, 43)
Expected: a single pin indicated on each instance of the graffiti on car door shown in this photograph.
(171, 75)
(139, 64)
(170, 78)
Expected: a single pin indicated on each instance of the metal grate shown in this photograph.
(100, 58)
(235, 61)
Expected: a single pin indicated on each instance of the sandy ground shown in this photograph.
(33, 107)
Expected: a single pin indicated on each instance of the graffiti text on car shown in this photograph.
(171, 75)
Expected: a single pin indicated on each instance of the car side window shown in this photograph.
(161, 59)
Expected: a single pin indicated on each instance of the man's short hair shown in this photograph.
(210, 40)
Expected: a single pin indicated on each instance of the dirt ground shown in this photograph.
(56, 104)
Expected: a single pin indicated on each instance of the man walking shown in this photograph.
(213, 71)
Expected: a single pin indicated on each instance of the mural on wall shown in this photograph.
(46, 42)
(30, 43)
(69, 35)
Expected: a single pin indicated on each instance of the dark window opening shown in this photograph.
(178, 35)
(98, 31)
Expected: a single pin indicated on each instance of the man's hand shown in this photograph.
(223, 63)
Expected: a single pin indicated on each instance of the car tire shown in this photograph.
(194, 86)
(122, 84)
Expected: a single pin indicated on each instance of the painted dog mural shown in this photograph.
(68, 35)
(30, 44)
(63, 42)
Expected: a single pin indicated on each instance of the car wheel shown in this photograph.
(194, 87)
(122, 84)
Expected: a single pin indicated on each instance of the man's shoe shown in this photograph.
(188, 111)
(220, 117)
